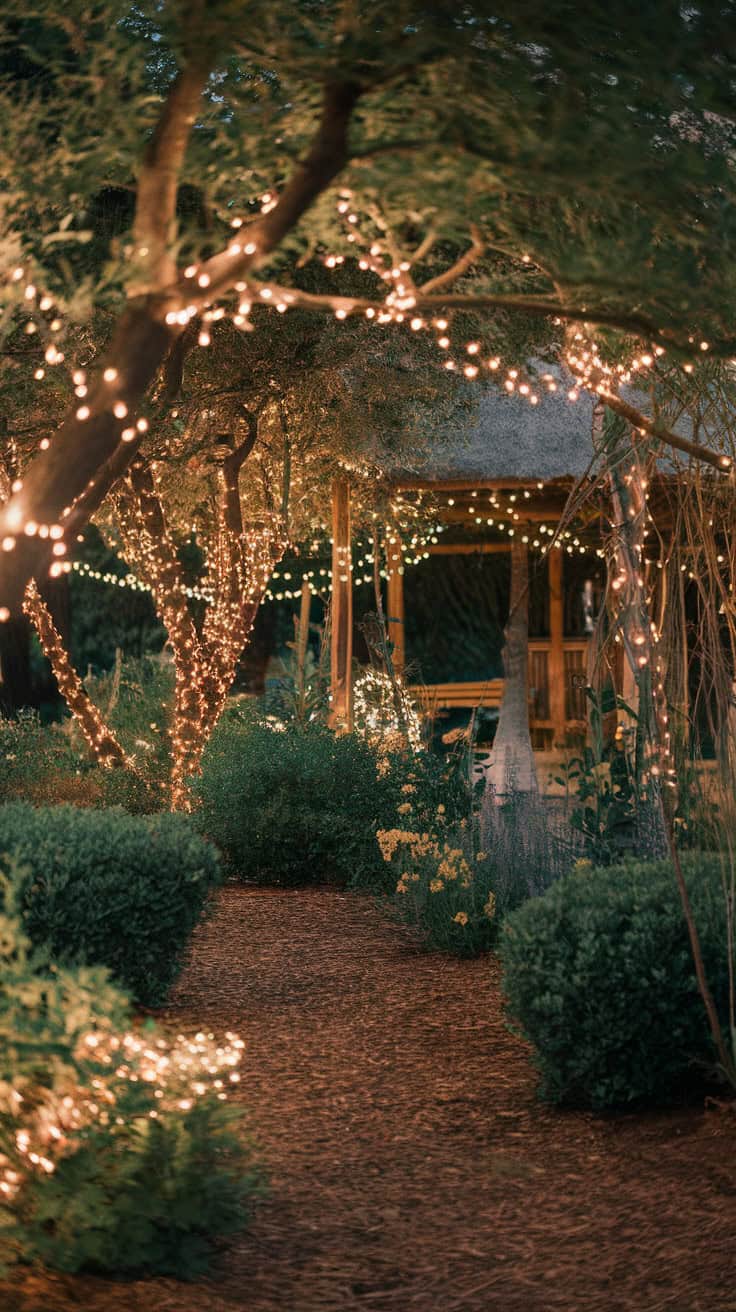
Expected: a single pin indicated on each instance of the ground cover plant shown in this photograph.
(106, 888)
(599, 977)
(116, 1151)
(38, 761)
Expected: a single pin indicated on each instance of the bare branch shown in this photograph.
(460, 266)
(664, 434)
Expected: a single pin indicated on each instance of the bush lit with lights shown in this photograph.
(118, 1151)
(383, 711)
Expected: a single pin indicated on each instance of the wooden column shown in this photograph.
(302, 637)
(395, 607)
(341, 619)
(556, 666)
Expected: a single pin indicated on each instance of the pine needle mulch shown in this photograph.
(412, 1168)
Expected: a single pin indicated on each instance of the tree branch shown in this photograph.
(231, 474)
(101, 740)
(73, 466)
(664, 434)
(460, 266)
(158, 180)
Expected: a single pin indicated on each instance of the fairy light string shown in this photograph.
(145, 1078)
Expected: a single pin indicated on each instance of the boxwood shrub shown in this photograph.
(299, 806)
(107, 888)
(599, 977)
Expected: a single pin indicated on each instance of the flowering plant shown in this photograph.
(443, 887)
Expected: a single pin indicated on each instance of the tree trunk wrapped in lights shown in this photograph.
(240, 562)
(641, 647)
(101, 741)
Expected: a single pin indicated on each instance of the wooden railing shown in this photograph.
(440, 697)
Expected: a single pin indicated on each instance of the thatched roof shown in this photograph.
(507, 437)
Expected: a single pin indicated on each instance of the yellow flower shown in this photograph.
(583, 864)
(404, 808)
(461, 918)
(490, 906)
(408, 788)
(402, 886)
(414, 878)
(481, 856)
(440, 809)
(436, 886)
(390, 839)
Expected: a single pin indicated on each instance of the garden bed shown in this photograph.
(411, 1164)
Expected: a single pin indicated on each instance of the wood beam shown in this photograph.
(395, 609)
(468, 548)
(341, 644)
(556, 658)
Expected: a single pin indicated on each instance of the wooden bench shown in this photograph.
(464, 696)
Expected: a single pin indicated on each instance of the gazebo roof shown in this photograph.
(509, 438)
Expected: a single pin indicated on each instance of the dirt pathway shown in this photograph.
(411, 1166)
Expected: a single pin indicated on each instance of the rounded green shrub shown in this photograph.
(119, 1149)
(299, 806)
(599, 977)
(112, 889)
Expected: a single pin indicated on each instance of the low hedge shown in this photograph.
(599, 977)
(107, 888)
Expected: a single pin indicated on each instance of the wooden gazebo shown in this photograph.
(519, 462)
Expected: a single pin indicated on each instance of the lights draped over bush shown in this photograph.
(384, 712)
(116, 1152)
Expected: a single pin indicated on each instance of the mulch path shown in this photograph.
(412, 1167)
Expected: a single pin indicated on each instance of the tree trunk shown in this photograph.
(511, 767)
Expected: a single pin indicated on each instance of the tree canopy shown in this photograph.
(515, 179)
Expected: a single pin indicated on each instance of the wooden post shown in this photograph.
(395, 607)
(556, 666)
(341, 645)
(302, 638)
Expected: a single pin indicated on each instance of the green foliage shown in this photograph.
(137, 1163)
(443, 888)
(297, 806)
(36, 760)
(111, 889)
(530, 845)
(599, 976)
(105, 618)
(611, 806)
(135, 699)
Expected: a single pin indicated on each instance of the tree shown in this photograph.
(246, 406)
(514, 109)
